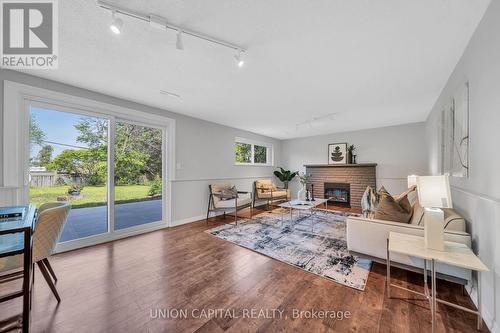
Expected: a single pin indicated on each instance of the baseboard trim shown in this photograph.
(193, 219)
(488, 318)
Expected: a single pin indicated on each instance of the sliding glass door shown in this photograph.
(79, 156)
(137, 174)
(69, 161)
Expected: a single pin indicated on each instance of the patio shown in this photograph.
(90, 221)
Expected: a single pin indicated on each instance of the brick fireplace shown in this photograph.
(342, 184)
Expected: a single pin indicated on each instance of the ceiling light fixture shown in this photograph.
(161, 23)
(116, 23)
(239, 59)
(179, 44)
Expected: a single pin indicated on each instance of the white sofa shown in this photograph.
(368, 238)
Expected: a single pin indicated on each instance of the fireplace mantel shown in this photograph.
(340, 165)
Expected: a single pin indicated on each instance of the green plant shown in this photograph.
(304, 178)
(285, 176)
(75, 188)
(155, 187)
(351, 149)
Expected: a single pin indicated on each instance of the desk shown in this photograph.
(455, 254)
(15, 238)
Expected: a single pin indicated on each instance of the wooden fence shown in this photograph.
(51, 178)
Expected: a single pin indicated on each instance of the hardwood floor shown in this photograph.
(113, 287)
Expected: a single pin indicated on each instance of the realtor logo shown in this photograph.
(29, 34)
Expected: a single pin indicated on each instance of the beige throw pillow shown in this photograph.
(391, 210)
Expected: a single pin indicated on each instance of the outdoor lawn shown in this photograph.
(91, 195)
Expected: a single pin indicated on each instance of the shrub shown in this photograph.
(155, 187)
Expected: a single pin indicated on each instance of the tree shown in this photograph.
(37, 135)
(138, 149)
(93, 131)
(45, 155)
(90, 164)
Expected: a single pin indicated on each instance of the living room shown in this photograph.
(220, 166)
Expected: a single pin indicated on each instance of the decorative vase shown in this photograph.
(301, 194)
(353, 159)
(350, 158)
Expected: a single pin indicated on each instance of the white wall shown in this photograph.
(203, 149)
(399, 151)
(478, 197)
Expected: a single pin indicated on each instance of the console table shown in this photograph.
(455, 254)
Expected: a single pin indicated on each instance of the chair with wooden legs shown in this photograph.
(50, 222)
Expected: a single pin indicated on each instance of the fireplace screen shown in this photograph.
(338, 193)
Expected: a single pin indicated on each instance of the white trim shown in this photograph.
(253, 143)
(17, 100)
(219, 178)
(196, 218)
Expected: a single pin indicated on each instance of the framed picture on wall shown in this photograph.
(337, 153)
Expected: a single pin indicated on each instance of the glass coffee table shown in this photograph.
(303, 205)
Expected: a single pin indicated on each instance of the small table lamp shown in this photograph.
(433, 194)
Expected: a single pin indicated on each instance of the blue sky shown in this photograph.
(58, 127)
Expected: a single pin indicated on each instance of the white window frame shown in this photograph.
(17, 101)
(253, 143)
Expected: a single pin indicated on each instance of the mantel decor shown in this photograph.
(337, 153)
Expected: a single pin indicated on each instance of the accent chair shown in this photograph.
(224, 197)
(51, 218)
(266, 190)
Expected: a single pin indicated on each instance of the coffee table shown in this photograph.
(302, 205)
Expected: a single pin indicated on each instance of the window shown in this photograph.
(248, 152)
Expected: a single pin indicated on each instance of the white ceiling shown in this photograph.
(349, 64)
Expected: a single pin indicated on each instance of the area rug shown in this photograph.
(322, 251)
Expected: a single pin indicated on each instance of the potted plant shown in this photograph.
(285, 176)
(75, 189)
(350, 154)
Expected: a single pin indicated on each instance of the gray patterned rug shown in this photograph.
(322, 251)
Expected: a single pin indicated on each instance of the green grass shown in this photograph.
(91, 195)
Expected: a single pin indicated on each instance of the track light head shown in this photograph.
(116, 24)
(239, 59)
(179, 44)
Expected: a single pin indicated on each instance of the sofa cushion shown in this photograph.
(265, 185)
(390, 210)
(275, 194)
(231, 203)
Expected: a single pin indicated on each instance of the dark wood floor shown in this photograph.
(113, 287)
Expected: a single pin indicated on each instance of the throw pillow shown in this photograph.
(369, 202)
(229, 193)
(390, 210)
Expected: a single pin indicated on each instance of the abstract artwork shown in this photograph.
(455, 134)
(323, 252)
(337, 153)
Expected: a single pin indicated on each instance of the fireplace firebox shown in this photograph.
(338, 194)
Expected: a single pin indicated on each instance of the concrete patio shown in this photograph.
(90, 221)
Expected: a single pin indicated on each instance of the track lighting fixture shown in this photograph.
(161, 23)
(179, 44)
(239, 59)
(116, 23)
